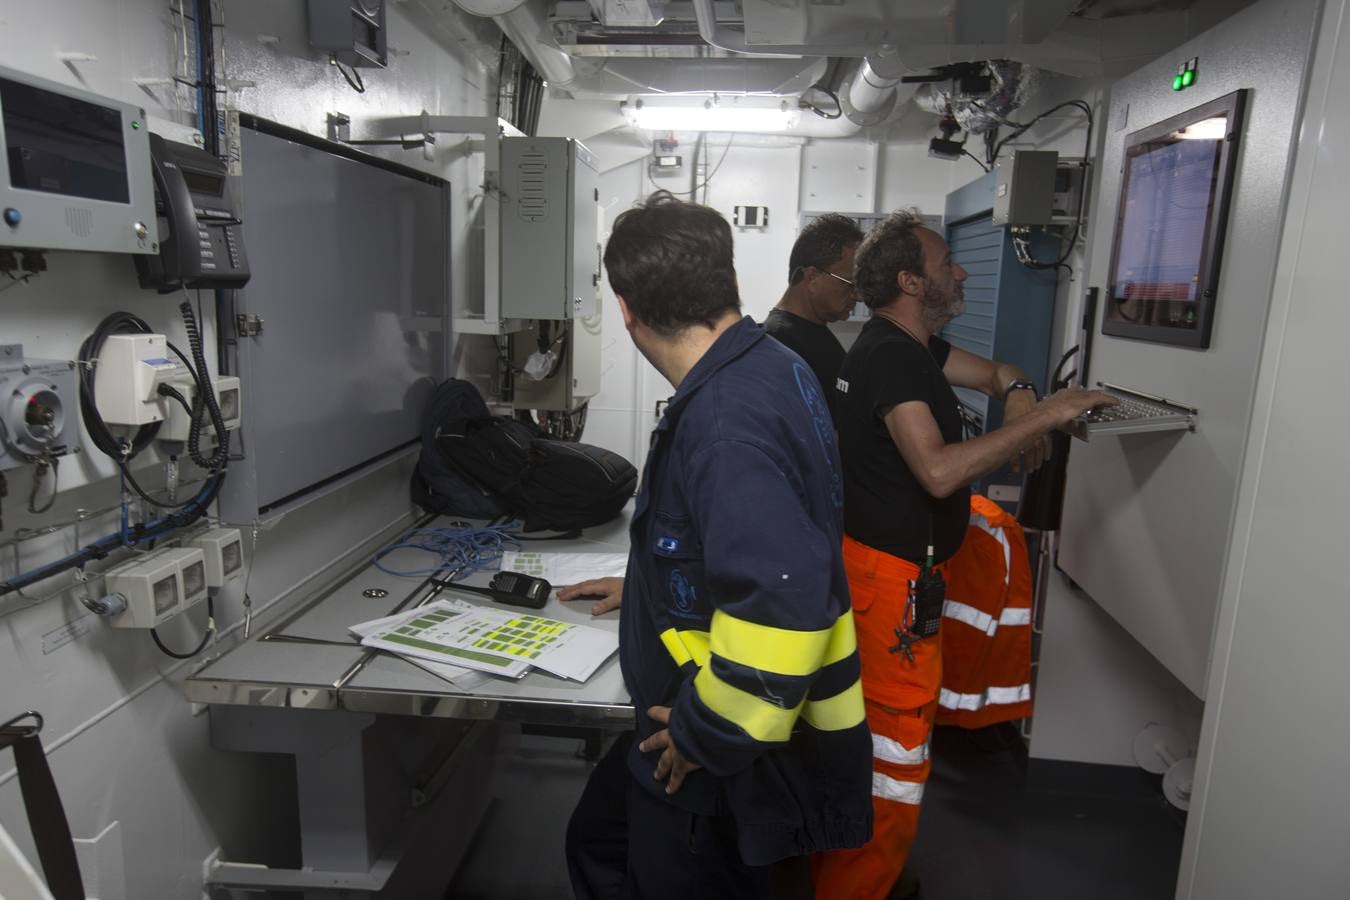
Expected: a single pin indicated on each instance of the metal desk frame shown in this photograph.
(305, 687)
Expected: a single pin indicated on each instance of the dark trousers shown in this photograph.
(623, 843)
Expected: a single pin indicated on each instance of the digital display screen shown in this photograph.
(1176, 180)
(62, 145)
(201, 183)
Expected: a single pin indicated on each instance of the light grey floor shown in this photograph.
(518, 853)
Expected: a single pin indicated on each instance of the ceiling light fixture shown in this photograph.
(716, 113)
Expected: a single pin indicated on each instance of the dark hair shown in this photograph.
(671, 261)
(891, 247)
(821, 243)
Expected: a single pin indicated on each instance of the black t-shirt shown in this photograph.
(884, 505)
(813, 342)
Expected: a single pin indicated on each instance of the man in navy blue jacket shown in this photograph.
(737, 644)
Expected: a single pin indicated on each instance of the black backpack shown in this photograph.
(436, 485)
(552, 485)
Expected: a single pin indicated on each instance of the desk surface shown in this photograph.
(311, 661)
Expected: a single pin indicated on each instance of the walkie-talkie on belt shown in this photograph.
(923, 606)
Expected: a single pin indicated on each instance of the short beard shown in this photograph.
(941, 308)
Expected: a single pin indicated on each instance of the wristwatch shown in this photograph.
(1021, 384)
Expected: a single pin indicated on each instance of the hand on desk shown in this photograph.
(671, 763)
(607, 591)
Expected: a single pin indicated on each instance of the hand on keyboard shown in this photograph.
(1069, 403)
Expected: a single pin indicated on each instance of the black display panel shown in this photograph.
(1176, 182)
(61, 145)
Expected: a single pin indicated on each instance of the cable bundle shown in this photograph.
(459, 551)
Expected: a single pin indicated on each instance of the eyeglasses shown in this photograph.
(839, 278)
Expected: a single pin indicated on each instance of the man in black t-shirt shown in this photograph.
(820, 290)
(907, 477)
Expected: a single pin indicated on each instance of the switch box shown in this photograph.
(550, 247)
(158, 586)
(130, 369)
(223, 552)
(1024, 188)
(179, 423)
(39, 404)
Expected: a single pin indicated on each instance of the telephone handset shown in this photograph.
(200, 232)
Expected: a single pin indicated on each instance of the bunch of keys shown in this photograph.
(904, 643)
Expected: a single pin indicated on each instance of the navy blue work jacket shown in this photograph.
(736, 610)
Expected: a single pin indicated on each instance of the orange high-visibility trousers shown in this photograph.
(901, 700)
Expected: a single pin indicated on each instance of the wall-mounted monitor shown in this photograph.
(74, 170)
(1176, 181)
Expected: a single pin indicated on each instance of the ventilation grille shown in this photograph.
(80, 221)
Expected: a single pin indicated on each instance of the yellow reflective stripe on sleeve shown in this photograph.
(783, 651)
(843, 640)
(686, 646)
(842, 711)
(762, 720)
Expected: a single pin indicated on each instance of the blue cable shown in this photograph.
(460, 551)
(201, 89)
(101, 547)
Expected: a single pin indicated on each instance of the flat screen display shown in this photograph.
(350, 261)
(1176, 182)
(62, 145)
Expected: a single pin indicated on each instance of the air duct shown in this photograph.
(715, 35)
(525, 24)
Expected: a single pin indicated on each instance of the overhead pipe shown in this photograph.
(715, 35)
(525, 24)
(875, 89)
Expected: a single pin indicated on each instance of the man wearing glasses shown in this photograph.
(820, 290)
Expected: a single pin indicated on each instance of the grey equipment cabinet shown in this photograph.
(550, 259)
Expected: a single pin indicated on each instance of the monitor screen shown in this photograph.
(1176, 181)
(63, 145)
(350, 257)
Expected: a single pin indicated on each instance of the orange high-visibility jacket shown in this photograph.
(986, 623)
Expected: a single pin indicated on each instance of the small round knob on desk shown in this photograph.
(12, 217)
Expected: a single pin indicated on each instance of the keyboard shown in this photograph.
(1137, 412)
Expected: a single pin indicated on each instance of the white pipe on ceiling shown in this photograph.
(715, 35)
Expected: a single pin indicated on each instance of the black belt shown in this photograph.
(46, 816)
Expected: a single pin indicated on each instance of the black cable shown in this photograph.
(206, 395)
(46, 462)
(206, 47)
(838, 107)
(707, 178)
(354, 79)
(168, 390)
(976, 158)
(210, 616)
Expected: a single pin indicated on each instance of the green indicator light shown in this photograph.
(1188, 78)
(135, 125)
(1176, 83)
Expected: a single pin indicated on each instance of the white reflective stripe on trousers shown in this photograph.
(994, 696)
(892, 751)
(964, 612)
(982, 523)
(888, 788)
